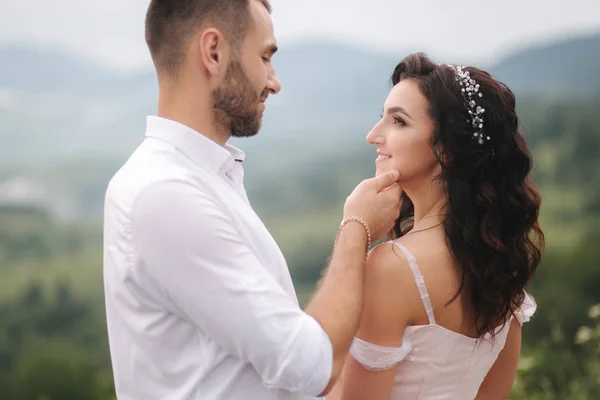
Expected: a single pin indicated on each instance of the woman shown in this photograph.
(445, 299)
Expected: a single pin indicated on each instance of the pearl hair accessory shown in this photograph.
(469, 89)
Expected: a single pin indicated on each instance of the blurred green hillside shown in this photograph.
(298, 172)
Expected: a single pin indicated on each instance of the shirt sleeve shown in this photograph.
(191, 247)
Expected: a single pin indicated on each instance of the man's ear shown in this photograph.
(212, 51)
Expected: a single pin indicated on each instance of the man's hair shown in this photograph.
(170, 24)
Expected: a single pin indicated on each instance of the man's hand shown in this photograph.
(377, 202)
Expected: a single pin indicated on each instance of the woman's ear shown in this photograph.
(442, 157)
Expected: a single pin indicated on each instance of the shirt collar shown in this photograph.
(194, 145)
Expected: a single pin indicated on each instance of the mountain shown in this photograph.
(569, 67)
(35, 70)
(57, 106)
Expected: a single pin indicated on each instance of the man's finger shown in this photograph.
(395, 187)
(386, 180)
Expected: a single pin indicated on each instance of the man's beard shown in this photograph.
(235, 104)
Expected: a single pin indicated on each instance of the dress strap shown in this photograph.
(412, 262)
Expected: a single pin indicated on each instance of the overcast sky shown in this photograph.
(479, 31)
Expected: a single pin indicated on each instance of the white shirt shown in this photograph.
(199, 300)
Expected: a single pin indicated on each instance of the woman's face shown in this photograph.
(403, 136)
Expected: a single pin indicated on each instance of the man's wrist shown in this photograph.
(355, 229)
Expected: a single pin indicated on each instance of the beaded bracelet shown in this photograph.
(360, 221)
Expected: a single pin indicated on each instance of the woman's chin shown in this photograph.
(381, 170)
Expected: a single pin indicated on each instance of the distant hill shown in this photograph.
(569, 67)
(35, 70)
(56, 106)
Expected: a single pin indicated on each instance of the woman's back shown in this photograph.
(440, 356)
(451, 305)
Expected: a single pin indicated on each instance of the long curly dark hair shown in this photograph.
(492, 227)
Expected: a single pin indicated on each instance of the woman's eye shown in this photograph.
(399, 121)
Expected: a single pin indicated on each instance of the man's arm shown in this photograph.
(338, 303)
(191, 249)
(196, 254)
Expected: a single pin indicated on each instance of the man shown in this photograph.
(199, 300)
